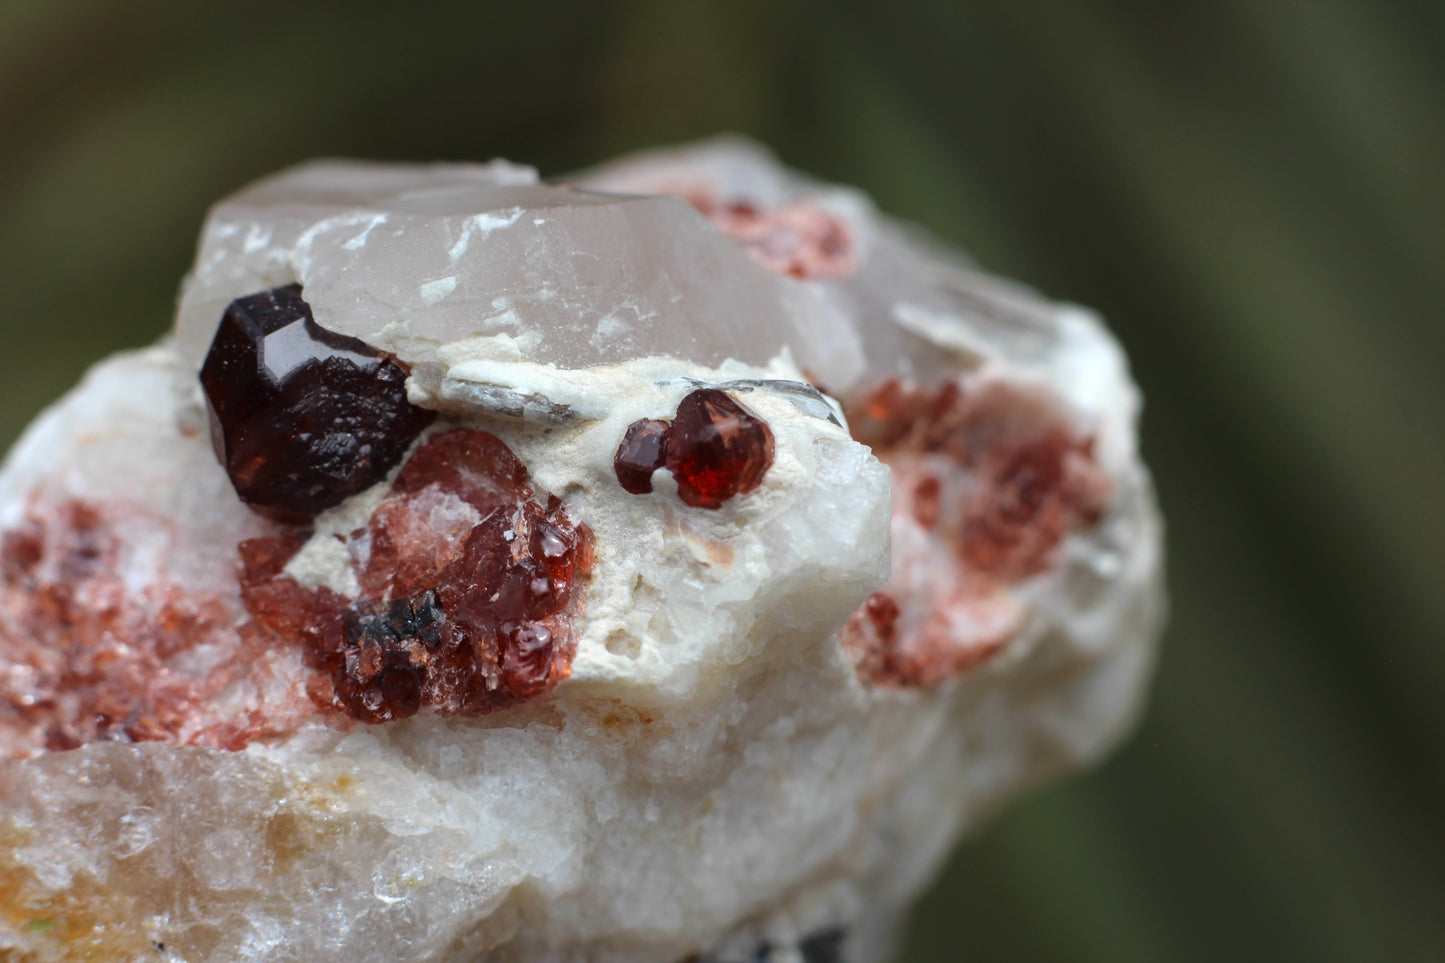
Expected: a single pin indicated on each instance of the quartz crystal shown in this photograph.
(666, 565)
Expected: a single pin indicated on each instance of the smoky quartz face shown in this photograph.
(302, 417)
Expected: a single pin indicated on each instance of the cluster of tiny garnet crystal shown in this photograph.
(996, 476)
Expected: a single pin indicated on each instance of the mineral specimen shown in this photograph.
(540, 606)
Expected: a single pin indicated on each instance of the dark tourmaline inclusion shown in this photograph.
(820, 946)
(302, 417)
(714, 448)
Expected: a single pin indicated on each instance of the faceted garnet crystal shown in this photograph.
(642, 452)
(302, 417)
(715, 449)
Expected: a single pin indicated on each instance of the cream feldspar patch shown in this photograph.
(777, 716)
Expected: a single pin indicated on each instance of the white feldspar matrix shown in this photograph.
(665, 565)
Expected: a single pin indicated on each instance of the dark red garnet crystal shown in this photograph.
(715, 449)
(642, 452)
(302, 417)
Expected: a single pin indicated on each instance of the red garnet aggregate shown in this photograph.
(302, 417)
(996, 472)
(799, 240)
(468, 588)
(714, 448)
(1033, 479)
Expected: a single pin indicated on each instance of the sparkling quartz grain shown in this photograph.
(302, 417)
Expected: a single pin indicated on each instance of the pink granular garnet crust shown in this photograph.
(86, 658)
(469, 585)
(988, 481)
(798, 239)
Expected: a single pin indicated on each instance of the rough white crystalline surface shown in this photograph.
(765, 723)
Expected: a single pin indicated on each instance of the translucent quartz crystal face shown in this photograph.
(702, 553)
(601, 278)
(891, 299)
(460, 251)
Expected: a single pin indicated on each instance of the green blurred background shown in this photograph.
(1253, 193)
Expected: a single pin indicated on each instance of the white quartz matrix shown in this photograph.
(781, 714)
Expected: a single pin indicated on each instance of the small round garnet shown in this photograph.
(642, 452)
(716, 449)
(302, 417)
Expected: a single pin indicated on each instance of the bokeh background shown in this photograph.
(1253, 193)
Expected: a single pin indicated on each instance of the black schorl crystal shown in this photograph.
(823, 946)
(302, 417)
(820, 946)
